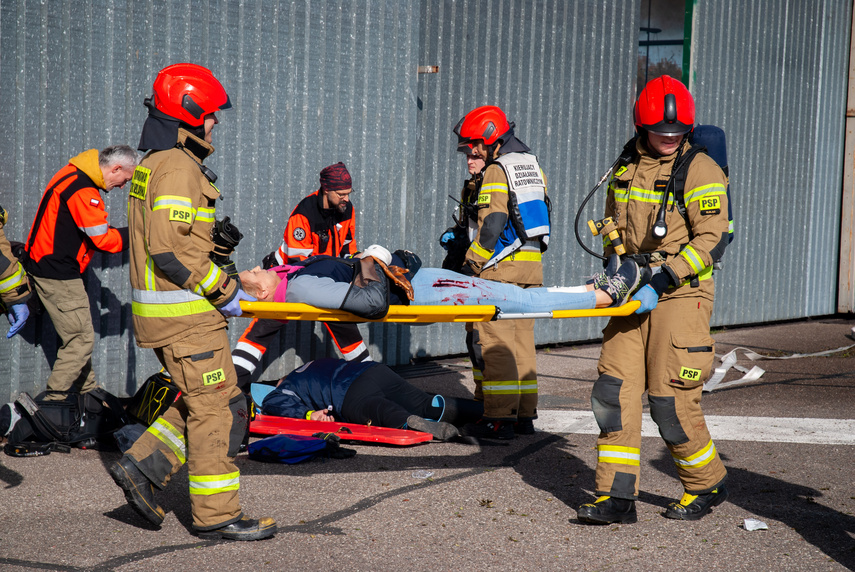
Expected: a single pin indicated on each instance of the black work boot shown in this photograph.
(694, 507)
(524, 426)
(244, 529)
(440, 430)
(489, 429)
(139, 491)
(608, 510)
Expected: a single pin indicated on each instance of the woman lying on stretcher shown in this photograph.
(366, 285)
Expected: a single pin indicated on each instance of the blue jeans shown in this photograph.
(439, 287)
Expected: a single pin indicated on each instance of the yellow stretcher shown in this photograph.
(419, 314)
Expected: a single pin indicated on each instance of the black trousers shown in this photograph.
(383, 398)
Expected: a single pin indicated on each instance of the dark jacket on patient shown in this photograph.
(314, 386)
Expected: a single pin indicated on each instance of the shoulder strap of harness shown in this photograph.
(678, 179)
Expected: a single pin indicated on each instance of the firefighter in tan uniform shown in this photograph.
(14, 285)
(512, 232)
(665, 347)
(181, 300)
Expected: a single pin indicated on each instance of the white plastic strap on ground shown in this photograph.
(729, 359)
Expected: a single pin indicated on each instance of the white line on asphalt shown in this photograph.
(722, 428)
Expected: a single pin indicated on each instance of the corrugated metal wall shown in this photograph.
(773, 75)
(317, 82)
(563, 72)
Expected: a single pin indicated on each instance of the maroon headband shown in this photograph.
(335, 178)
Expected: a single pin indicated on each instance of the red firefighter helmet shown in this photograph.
(665, 107)
(487, 123)
(189, 92)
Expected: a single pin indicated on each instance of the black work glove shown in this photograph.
(226, 237)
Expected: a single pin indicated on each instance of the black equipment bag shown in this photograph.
(86, 421)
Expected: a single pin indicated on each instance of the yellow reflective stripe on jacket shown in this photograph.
(171, 437)
(214, 484)
(619, 455)
(210, 281)
(479, 250)
(500, 387)
(169, 304)
(640, 195)
(694, 260)
(13, 281)
(494, 188)
(699, 459)
(704, 274)
(168, 201)
(525, 256)
(205, 214)
(704, 191)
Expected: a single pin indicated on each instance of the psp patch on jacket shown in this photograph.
(299, 233)
(710, 205)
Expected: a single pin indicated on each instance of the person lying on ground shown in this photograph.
(366, 393)
(361, 286)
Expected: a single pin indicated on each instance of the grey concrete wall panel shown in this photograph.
(773, 75)
(563, 72)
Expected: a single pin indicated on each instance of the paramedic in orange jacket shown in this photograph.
(181, 302)
(70, 224)
(321, 223)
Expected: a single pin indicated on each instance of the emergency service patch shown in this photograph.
(181, 214)
(299, 234)
(484, 199)
(212, 377)
(139, 183)
(690, 374)
(710, 205)
(94, 202)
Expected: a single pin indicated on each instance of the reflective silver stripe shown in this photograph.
(206, 214)
(211, 279)
(299, 251)
(170, 297)
(214, 484)
(99, 230)
(169, 436)
(14, 280)
(353, 353)
(243, 363)
(250, 349)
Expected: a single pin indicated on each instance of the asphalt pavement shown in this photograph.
(787, 439)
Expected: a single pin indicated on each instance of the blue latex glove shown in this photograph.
(232, 309)
(17, 315)
(446, 238)
(648, 298)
